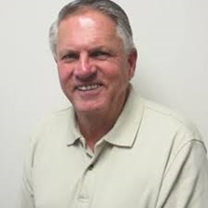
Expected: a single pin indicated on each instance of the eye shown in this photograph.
(102, 55)
(70, 57)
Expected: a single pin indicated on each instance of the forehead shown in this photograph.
(87, 19)
(88, 11)
(90, 25)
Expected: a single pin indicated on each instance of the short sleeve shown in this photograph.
(185, 182)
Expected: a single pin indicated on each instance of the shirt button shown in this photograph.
(91, 167)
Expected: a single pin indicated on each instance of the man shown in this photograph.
(112, 148)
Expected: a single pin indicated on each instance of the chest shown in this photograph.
(113, 178)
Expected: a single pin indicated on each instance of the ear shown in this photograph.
(55, 58)
(132, 59)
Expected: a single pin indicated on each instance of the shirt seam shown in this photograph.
(180, 150)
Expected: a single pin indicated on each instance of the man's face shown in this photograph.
(94, 70)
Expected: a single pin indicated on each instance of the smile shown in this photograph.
(88, 87)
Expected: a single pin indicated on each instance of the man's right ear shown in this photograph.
(132, 60)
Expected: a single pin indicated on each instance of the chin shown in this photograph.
(89, 107)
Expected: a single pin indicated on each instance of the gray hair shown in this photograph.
(107, 7)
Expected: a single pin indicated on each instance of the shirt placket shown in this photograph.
(87, 182)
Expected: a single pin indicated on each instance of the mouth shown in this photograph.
(88, 87)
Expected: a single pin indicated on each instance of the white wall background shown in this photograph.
(172, 38)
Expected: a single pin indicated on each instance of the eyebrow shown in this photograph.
(66, 51)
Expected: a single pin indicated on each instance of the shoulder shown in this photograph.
(58, 118)
(167, 117)
(60, 115)
(56, 123)
(169, 126)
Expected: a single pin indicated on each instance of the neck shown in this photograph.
(93, 128)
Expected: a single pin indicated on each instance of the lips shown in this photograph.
(88, 87)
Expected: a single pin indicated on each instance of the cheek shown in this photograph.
(119, 72)
(113, 68)
(64, 73)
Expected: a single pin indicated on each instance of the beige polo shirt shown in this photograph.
(150, 159)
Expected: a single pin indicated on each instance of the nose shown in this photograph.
(84, 68)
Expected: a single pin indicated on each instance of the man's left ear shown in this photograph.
(132, 59)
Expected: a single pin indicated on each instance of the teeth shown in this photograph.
(88, 87)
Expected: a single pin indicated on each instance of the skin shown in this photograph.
(94, 71)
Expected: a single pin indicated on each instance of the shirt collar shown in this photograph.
(73, 131)
(124, 132)
(125, 129)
